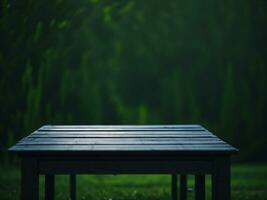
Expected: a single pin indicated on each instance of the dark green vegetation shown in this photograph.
(135, 62)
(248, 183)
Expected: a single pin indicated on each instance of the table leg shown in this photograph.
(200, 187)
(183, 187)
(73, 187)
(49, 186)
(174, 187)
(221, 185)
(29, 179)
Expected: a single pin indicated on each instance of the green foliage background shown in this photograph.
(135, 62)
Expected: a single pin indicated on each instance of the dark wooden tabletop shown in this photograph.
(122, 138)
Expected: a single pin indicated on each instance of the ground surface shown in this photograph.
(249, 182)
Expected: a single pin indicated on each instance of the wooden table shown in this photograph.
(157, 149)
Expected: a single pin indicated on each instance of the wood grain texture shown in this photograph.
(127, 149)
(119, 127)
(178, 138)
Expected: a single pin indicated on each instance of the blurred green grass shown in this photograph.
(249, 182)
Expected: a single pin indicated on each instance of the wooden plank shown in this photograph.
(120, 136)
(163, 143)
(134, 132)
(161, 147)
(119, 140)
(49, 186)
(124, 141)
(143, 144)
(119, 127)
(68, 148)
(123, 130)
(200, 192)
(171, 146)
(127, 125)
(124, 133)
(37, 139)
(127, 141)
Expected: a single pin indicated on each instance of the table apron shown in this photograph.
(124, 167)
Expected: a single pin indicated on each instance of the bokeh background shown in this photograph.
(135, 62)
